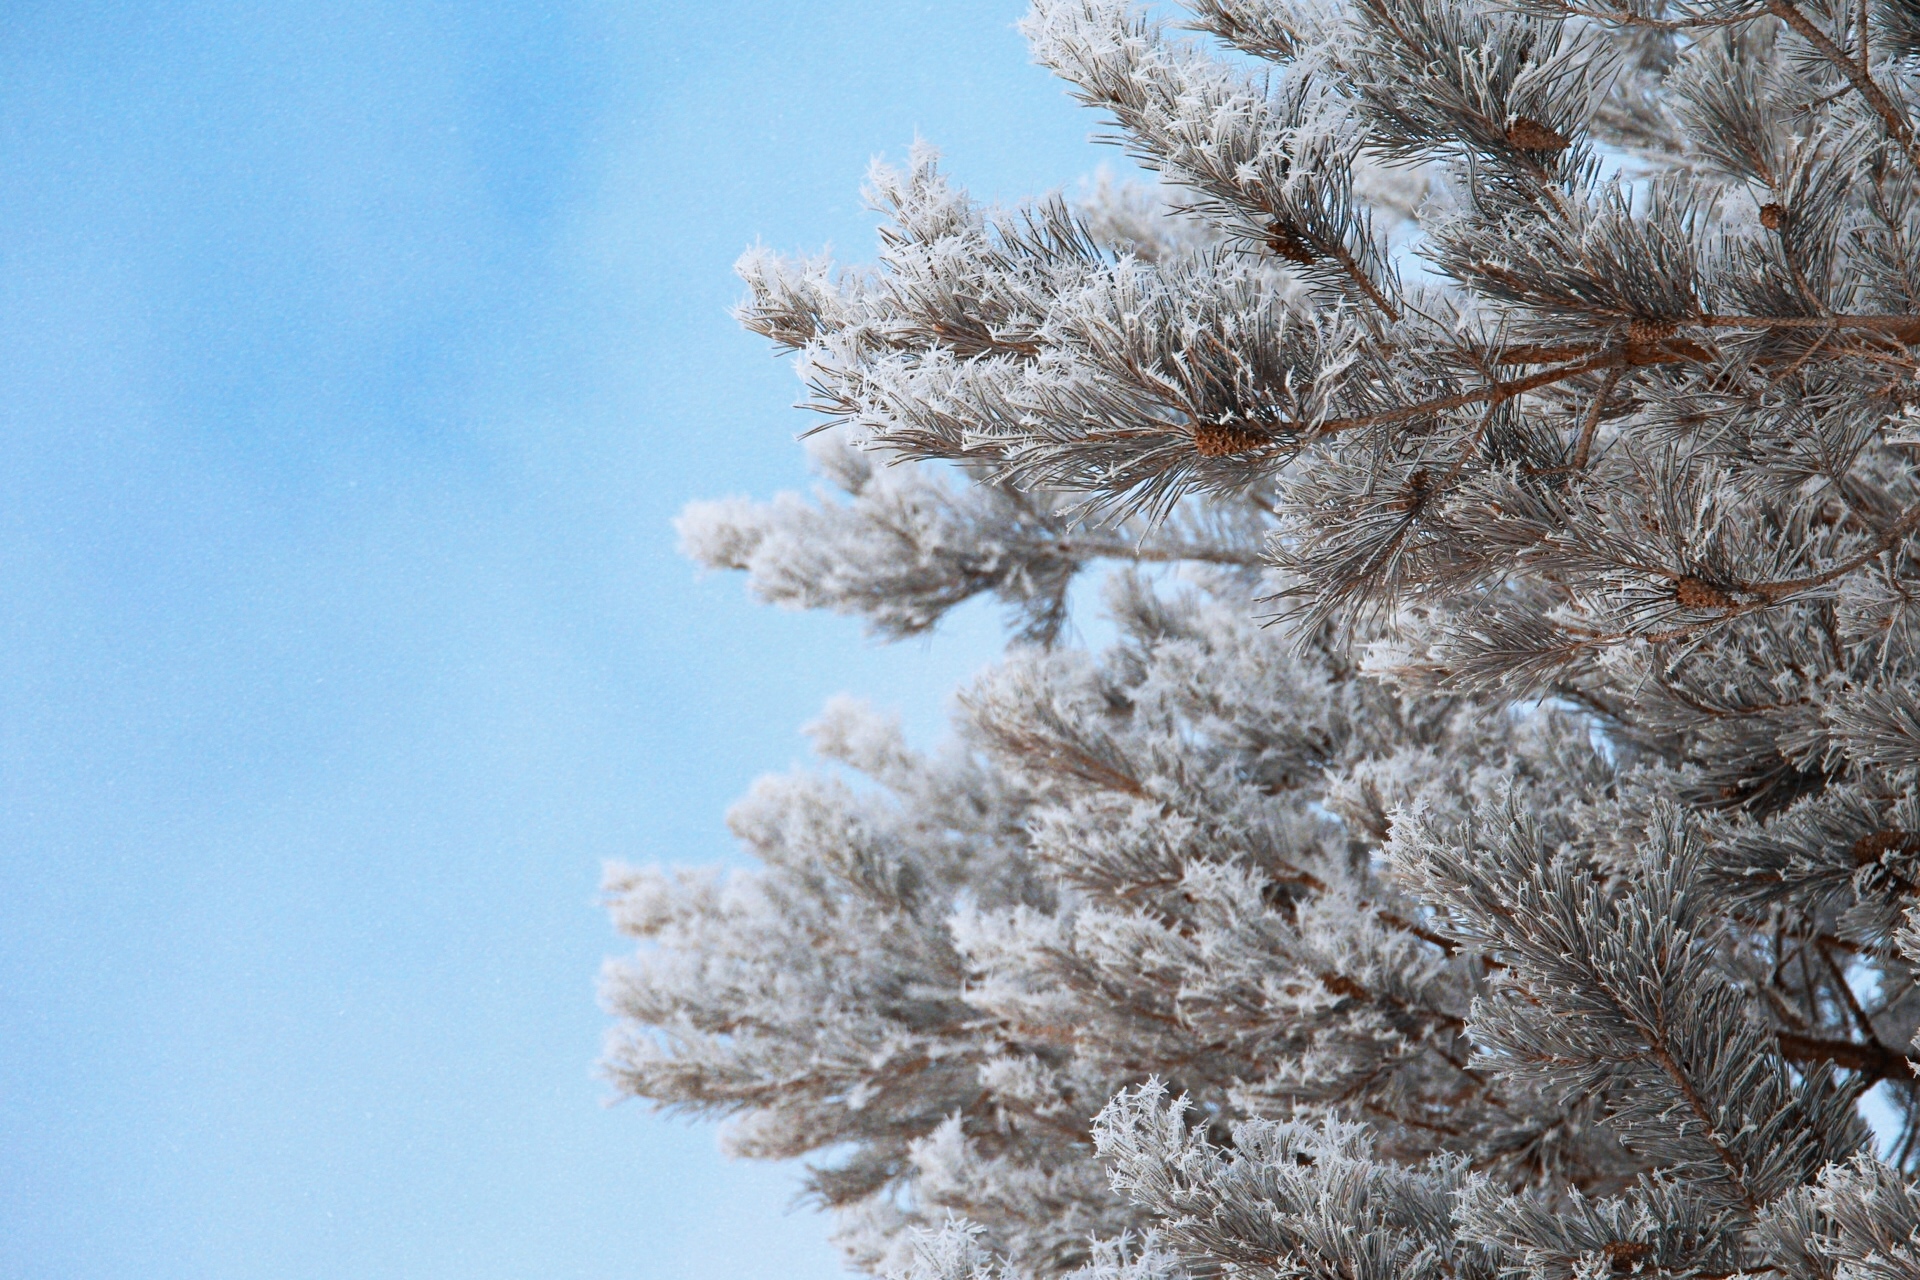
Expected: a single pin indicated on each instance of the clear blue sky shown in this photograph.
(353, 360)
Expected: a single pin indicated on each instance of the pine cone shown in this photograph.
(1287, 242)
(1530, 135)
(1222, 439)
(1414, 496)
(1695, 594)
(1773, 216)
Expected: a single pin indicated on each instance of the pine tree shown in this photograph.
(1490, 844)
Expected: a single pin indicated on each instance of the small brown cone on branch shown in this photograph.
(1530, 135)
(1773, 216)
(1222, 439)
(1419, 488)
(1289, 244)
(1642, 332)
(1695, 594)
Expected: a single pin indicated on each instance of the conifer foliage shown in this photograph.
(1489, 845)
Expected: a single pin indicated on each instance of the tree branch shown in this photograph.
(1856, 73)
(1871, 1062)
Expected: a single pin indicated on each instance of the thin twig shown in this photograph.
(1856, 73)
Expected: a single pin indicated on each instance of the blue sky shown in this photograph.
(356, 356)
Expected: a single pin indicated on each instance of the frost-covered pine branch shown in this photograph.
(1490, 845)
(900, 547)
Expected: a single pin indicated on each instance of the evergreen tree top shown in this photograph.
(1490, 846)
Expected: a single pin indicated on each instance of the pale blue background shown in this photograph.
(353, 358)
